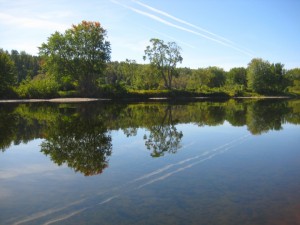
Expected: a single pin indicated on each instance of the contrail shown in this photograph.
(159, 19)
(180, 20)
(168, 36)
(64, 217)
(211, 154)
(47, 212)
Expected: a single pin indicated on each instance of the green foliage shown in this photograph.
(79, 62)
(80, 142)
(40, 87)
(216, 77)
(293, 77)
(266, 78)
(79, 55)
(165, 58)
(26, 65)
(7, 72)
(237, 76)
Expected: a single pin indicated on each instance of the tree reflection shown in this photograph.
(8, 123)
(263, 116)
(79, 134)
(164, 137)
(82, 143)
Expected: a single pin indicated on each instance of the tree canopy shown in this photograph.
(165, 57)
(79, 55)
(266, 78)
(7, 73)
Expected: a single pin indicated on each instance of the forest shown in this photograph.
(77, 63)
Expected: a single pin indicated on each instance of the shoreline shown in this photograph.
(55, 100)
(78, 100)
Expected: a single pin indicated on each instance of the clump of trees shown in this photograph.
(77, 63)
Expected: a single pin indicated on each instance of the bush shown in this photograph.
(40, 87)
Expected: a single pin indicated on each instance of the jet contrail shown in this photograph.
(159, 19)
(191, 25)
(168, 36)
(180, 20)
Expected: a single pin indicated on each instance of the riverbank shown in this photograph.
(58, 100)
(75, 100)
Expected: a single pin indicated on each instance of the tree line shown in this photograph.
(77, 63)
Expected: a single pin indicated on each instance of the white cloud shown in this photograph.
(26, 22)
(27, 170)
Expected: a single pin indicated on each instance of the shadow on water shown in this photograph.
(78, 135)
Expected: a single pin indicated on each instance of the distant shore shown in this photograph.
(74, 100)
(58, 100)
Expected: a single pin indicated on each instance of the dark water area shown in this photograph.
(204, 162)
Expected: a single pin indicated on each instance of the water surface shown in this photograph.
(231, 162)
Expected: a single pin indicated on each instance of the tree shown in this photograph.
(266, 78)
(293, 77)
(80, 55)
(165, 57)
(217, 76)
(237, 76)
(164, 137)
(27, 66)
(259, 75)
(82, 143)
(7, 72)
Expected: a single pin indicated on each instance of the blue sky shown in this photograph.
(224, 33)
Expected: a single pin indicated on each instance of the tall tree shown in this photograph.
(165, 57)
(265, 78)
(80, 54)
(27, 66)
(7, 72)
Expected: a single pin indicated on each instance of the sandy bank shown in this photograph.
(59, 100)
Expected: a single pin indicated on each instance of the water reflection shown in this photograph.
(163, 137)
(82, 143)
(79, 134)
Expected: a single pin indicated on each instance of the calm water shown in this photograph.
(231, 162)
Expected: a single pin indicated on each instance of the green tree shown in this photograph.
(27, 66)
(293, 77)
(129, 69)
(7, 72)
(80, 54)
(266, 78)
(259, 75)
(165, 57)
(237, 76)
(199, 80)
(147, 78)
(216, 77)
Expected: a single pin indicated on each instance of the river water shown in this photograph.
(202, 162)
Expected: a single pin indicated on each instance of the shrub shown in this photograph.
(40, 87)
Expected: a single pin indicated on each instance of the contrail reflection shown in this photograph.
(157, 175)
